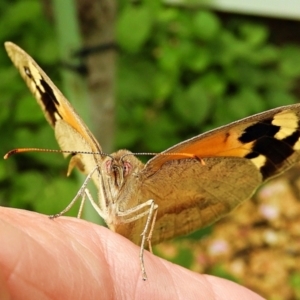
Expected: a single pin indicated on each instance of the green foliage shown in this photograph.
(180, 253)
(295, 283)
(128, 36)
(184, 257)
(182, 72)
(219, 271)
(206, 25)
(33, 181)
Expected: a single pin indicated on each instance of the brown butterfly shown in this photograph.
(186, 187)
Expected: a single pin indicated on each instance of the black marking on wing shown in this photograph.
(293, 138)
(259, 130)
(276, 152)
(265, 143)
(48, 98)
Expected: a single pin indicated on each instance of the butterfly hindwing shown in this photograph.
(191, 195)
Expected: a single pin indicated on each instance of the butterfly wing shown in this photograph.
(229, 164)
(268, 139)
(70, 131)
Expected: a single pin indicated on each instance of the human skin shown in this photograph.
(68, 258)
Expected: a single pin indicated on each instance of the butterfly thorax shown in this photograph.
(120, 181)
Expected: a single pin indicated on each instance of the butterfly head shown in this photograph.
(121, 165)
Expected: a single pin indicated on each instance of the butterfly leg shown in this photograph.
(80, 193)
(151, 231)
(150, 221)
(83, 192)
(81, 205)
(95, 205)
(151, 217)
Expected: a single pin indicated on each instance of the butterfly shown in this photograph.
(184, 188)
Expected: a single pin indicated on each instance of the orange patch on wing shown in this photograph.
(69, 117)
(218, 144)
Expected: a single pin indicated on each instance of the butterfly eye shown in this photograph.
(108, 166)
(127, 168)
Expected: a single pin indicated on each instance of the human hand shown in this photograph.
(68, 258)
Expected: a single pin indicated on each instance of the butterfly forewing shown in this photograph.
(71, 132)
(270, 140)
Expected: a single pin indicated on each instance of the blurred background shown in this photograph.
(145, 75)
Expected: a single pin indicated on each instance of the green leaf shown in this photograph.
(17, 16)
(131, 84)
(206, 25)
(220, 271)
(214, 84)
(3, 173)
(246, 102)
(192, 104)
(134, 27)
(254, 34)
(184, 257)
(170, 58)
(265, 55)
(127, 137)
(160, 134)
(277, 97)
(164, 83)
(294, 281)
(198, 59)
(56, 195)
(27, 109)
(29, 187)
(289, 64)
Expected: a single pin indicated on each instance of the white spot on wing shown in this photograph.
(288, 123)
(259, 161)
(297, 145)
(57, 116)
(36, 76)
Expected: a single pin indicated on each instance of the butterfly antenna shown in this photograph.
(182, 154)
(22, 150)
